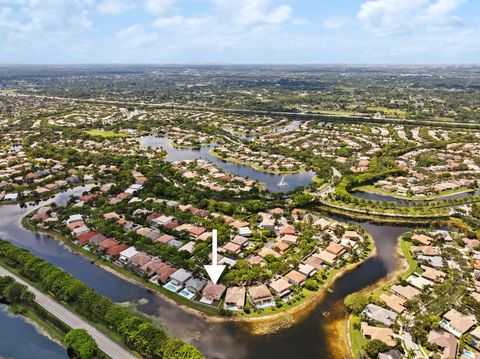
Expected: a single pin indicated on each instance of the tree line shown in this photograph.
(137, 332)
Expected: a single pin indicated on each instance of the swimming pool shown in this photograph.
(187, 294)
(172, 287)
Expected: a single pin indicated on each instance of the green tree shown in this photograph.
(81, 343)
(356, 302)
(373, 347)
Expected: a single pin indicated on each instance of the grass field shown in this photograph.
(357, 341)
(103, 133)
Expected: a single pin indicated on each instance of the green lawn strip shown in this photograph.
(357, 341)
(103, 133)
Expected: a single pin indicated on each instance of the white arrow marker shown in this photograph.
(214, 271)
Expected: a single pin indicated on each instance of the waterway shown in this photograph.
(269, 180)
(387, 198)
(226, 340)
(19, 339)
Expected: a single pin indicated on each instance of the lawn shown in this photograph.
(357, 341)
(103, 133)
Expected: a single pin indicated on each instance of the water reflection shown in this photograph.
(270, 181)
(21, 340)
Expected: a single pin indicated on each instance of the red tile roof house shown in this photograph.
(296, 278)
(336, 249)
(107, 244)
(260, 295)
(150, 268)
(115, 251)
(326, 257)
(164, 239)
(457, 323)
(235, 298)
(85, 237)
(164, 273)
(196, 231)
(315, 262)
(72, 225)
(423, 239)
(140, 259)
(231, 248)
(287, 230)
(95, 240)
(212, 292)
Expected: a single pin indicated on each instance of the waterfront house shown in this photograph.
(164, 273)
(235, 298)
(212, 292)
(379, 314)
(195, 285)
(307, 269)
(127, 255)
(385, 335)
(180, 277)
(326, 257)
(116, 250)
(296, 278)
(280, 287)
(140, 259)
(150, 268)
(260, 296)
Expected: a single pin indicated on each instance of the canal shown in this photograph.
(226, 340)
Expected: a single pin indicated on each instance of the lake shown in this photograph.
(270, 181)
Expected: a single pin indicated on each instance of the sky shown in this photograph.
(240, 31)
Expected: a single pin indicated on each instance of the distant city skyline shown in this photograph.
(240, 32)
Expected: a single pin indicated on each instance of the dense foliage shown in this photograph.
(137, 332)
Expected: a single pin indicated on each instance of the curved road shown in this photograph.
(107, 345)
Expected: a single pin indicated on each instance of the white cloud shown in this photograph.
(114, 7)
(181, 21)
(159, 7)
(52, 16)
(385, 17)
(135, 36)
(336, 22)
(253, 12)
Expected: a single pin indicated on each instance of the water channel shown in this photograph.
(227, 340)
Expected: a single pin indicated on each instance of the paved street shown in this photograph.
(106, 344)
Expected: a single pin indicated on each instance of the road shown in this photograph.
(107, 345)
(294, 115)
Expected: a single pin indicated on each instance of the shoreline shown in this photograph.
(259, 325)
(402, 267)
